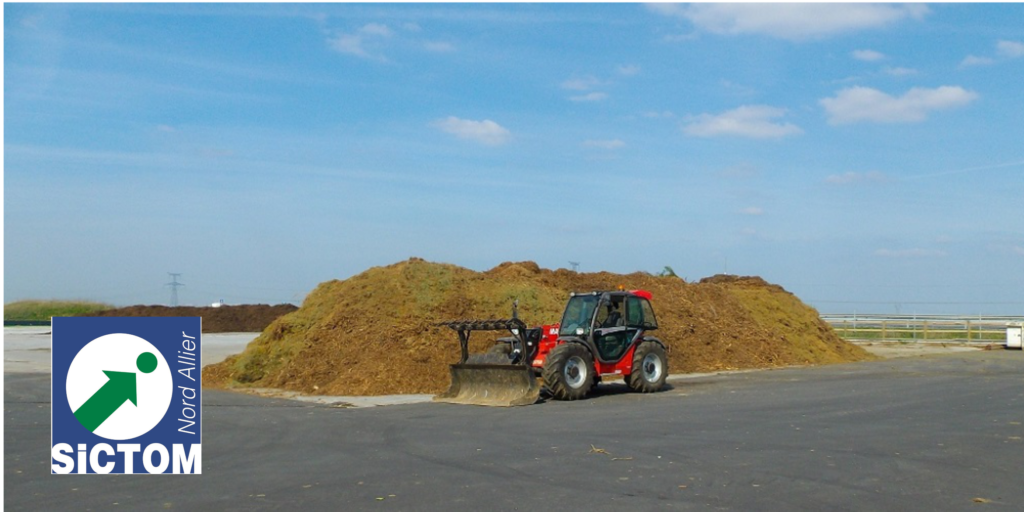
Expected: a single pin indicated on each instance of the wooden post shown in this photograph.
(925, 336)
(884, 324)
(968, 331)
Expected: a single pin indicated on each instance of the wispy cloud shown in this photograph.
(737, 89)
(752, 210)
(31, 22)
(1004, 50)
(899, 71)
(974, 60)
(357, 43)
(867, 55)
(628, 69)
(604, 144)
(376, 29)
(791, 21)
(1010, 49)
(582, 83)
(1018, 250)
(915, 252)
(967, 170)
(439, 46)
(741, 171)
(348, 43)
(485, 132)
(664, 114)
(752, 121)
(864, 104)
(593, 96)
(854, 178)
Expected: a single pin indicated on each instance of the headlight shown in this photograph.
(579, 331)
(515, 332)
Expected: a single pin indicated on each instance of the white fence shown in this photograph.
(921, 328)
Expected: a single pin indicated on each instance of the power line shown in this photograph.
(174, 284)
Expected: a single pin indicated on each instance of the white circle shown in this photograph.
(118, 353)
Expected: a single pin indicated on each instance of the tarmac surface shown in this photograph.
(935, 432)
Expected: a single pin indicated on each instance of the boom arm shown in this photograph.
(513, 325)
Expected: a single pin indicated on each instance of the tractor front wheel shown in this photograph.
(650, 368)
(569, 372)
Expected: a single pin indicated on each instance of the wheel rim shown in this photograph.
(575, 372)
(652, 368)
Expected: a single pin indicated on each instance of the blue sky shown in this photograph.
(867, 157)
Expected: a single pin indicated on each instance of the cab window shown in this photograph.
(640, 314)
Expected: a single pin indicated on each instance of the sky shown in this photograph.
(866, 157)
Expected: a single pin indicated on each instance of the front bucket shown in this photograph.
(500, 385)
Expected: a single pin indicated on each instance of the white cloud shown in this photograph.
(790, 21)
(584, 83)
(604, 144)
(856, 104)
(628, 69)
(653, 114)
(852, 178)
(1010, 49)
(31, 21)
(355, 44)
(678, 38)
(739, 90)
(485, 132)
(376, 29)
(754, 121)
(973, 60)
(752, 210)
(867, 55)
(741, 171)
(909, 253)
(350, 44)
(594, 96)
(898, 71)
(439, 46)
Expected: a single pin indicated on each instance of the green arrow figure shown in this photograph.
(119, 388)
(104, 402)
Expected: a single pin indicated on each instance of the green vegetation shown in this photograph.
(667, 272)
(42, 310)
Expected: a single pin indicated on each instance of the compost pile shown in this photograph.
(244, 318)
(373, 333)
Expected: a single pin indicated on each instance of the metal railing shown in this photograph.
(921, 328)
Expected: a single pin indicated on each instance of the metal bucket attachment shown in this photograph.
(500, 385)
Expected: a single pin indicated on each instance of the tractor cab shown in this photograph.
(609, 321)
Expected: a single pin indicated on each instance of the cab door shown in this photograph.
(611, 335)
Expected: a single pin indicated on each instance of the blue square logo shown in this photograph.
(126, 395)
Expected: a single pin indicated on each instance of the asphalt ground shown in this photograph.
(939, 432)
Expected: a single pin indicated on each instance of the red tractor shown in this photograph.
(601, 333)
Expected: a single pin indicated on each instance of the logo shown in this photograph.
(126, 395)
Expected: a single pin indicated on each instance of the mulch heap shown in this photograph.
(373, 333)
(244, 318)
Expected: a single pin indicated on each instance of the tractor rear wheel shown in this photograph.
(650, 368)
(569, 372)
